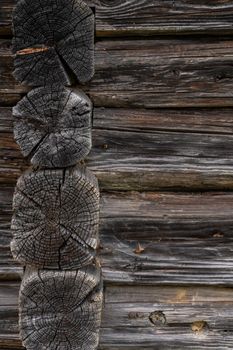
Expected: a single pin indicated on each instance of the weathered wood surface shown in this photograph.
(150, 241)
(153, 238)
(52, 126)
(147, 149)
(149, 73)
(126, 320)
(60, 309)
(56, 218)
(52, 38)
(149, 17)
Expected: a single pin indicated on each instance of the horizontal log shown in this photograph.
(146, 17)
(151, 318)
(149, 73)
(153, 238)
(147, 149)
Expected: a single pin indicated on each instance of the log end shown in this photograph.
(52, 126)
(56, 218)
(53, 42)
(61, 309)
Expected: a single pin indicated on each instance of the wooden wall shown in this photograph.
(163, 152)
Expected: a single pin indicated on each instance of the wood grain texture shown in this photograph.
(138, 149)
(52, 126)
(60, 309)
(127, 313)
(184, 238)
(146, 17)
(192, 72)
(51, 39)
(56, 217)
(150, 241)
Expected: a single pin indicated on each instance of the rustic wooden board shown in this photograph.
(146, 17)
(149, 73)
(147, 149)
(149, 241)
(153, 238)
(126, 318)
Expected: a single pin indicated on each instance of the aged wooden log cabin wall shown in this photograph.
(56, 207)
(162, 152)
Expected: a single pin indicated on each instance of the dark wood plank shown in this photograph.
(128, 312)
(151, 73)
(147, 149)
(6, 9)
(146, 17)
(153, 238)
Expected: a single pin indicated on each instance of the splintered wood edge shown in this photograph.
(31, 50)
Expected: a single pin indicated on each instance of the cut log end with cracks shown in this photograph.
(52, 126)
(61, 309)
(56, 218)
(53, 42)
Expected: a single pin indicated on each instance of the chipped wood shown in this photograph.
(31, 50)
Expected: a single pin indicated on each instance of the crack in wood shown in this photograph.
(46, 54)
(56, 212)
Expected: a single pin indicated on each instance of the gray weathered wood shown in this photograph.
(52, 125)
(138, 149)
(126, 317)
(51, 39)
(185, 238)
(150, 17)
(55, 219)
(191, 234)
(192, 72)
(59, 309)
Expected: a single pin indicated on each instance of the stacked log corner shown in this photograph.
(56, 202)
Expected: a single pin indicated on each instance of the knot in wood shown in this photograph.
(200, 327)
(158, 318)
